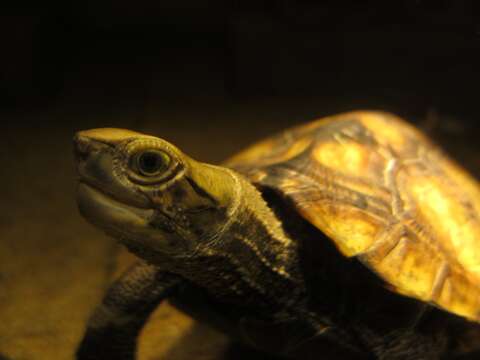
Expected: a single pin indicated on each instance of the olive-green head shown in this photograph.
(148, 194)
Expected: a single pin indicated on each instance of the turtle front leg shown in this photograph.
(114, 326)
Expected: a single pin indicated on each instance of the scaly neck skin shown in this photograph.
(251, 257)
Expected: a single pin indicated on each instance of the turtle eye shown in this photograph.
(152, 162)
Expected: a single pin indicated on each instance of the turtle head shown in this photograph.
(148, 194)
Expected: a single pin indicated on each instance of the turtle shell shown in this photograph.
(382, 192)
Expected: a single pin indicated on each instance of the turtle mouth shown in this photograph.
(109, 213)
(126, 200)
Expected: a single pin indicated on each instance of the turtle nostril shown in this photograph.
(81, 148)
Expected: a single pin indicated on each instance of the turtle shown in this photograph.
(349, 237)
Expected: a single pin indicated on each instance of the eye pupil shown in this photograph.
(149, 162)
(152, 162)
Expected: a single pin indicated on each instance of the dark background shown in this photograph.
(210, 76)
(406, 56)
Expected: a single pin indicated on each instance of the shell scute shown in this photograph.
(354, 231)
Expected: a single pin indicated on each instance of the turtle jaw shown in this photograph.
(145, 232)
(114, 217)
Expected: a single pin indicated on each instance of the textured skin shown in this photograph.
(385, 194)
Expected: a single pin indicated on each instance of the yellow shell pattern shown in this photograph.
(384, 193)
